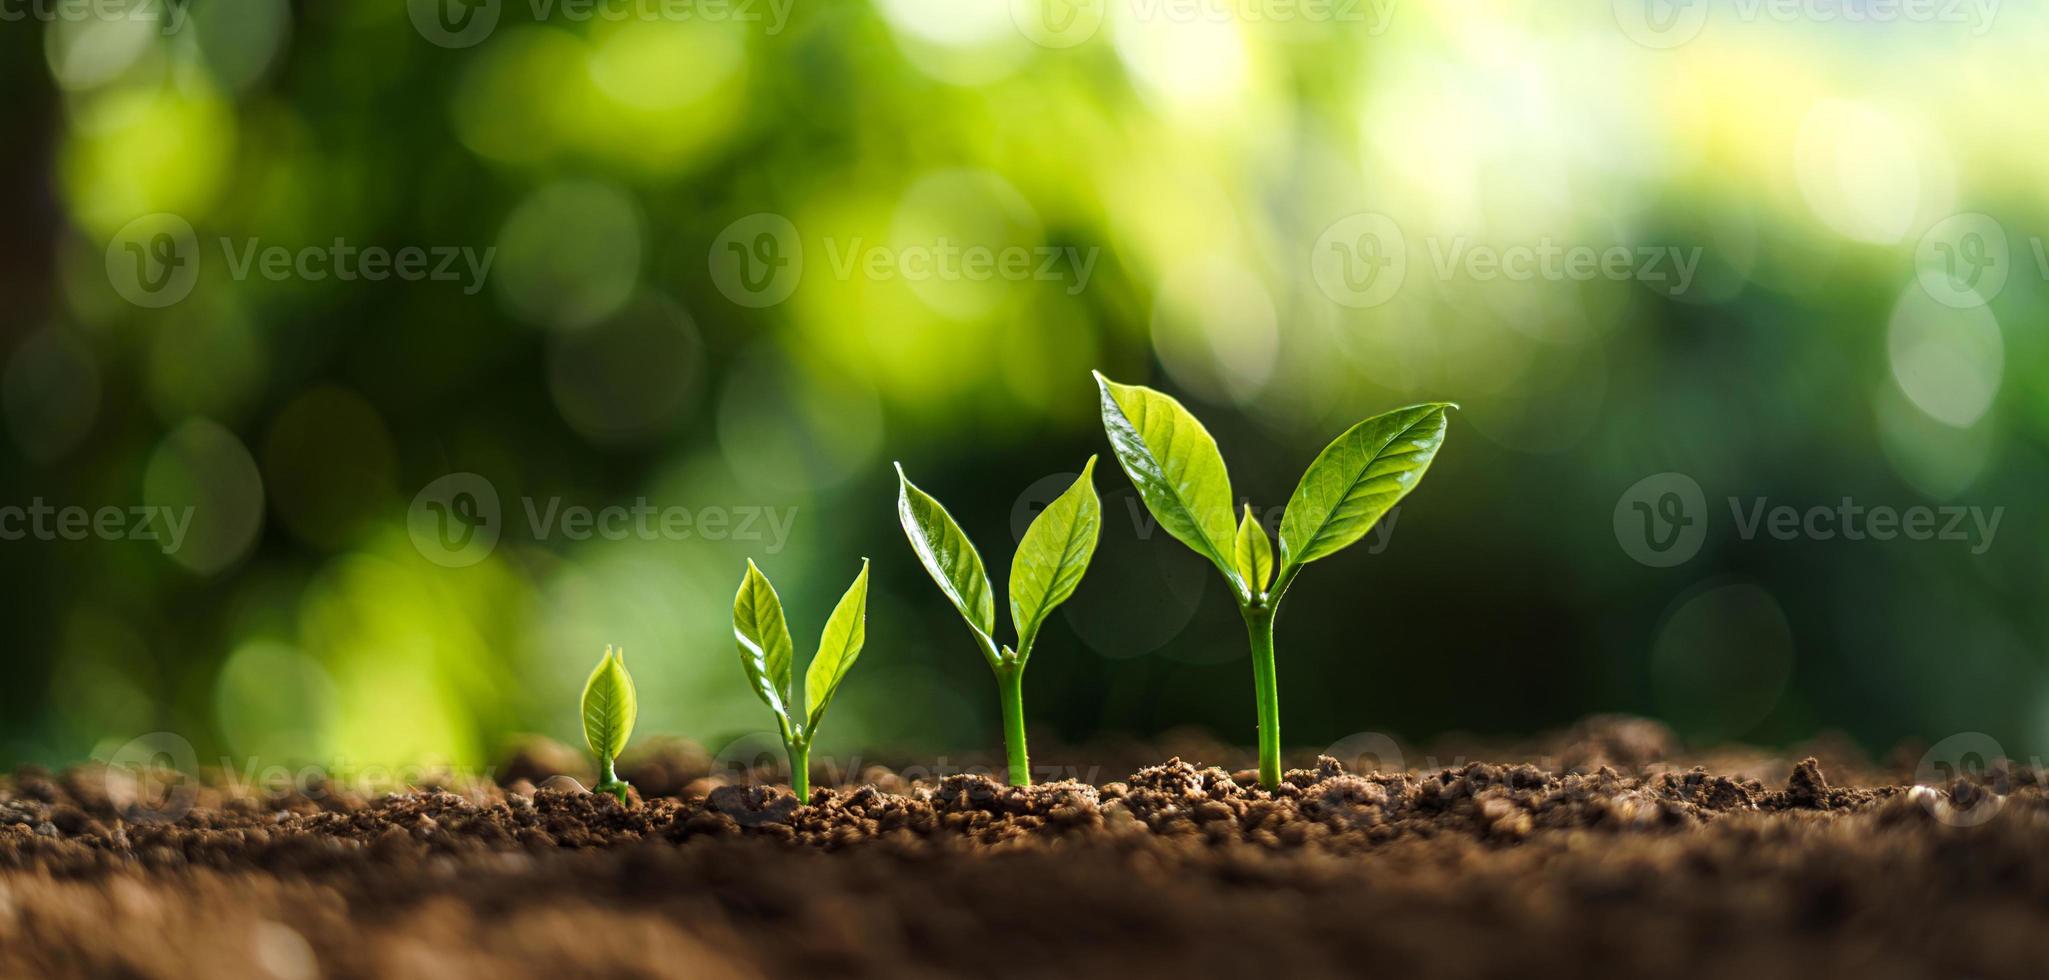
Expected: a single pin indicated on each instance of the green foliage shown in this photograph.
(1255, 553)
(767, 656)
(1047, 568)
(1358, 478)
(1053, 555)
(609, 708)
(1174, 463)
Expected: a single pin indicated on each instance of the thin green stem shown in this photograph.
(1259, 624)
(609, 781)
(800, 769)
(1010, 682)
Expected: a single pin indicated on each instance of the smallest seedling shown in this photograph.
(609, 705)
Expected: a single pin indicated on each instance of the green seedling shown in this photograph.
(609, 706)
(1174, 463)
(1045, 571)
(768, 656)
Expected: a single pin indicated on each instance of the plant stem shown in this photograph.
(800, 770)
(1010, 681)
(609, 782)
(1259, 624)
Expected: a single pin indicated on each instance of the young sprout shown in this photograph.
(768, 656)
(1174, 463)
(609, 707)
(1045, 571)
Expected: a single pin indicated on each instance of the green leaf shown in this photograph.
(764, 638)
(1053, 555)
(949, 557)
(609, 707)
(1174, 463)
(838, 647)
(1358, 478)
(1255, 554)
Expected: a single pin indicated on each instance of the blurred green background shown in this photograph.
(1178, 191)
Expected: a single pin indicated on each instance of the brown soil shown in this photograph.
(1480, 870)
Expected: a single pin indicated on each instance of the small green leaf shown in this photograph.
(1255, 554)
(609, 707)
(764, 639)
(1358, 478)
(949, 557)
(1053, 555)
(1174, 463)
(838, 647)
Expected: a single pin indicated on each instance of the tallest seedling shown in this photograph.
(1174, 463)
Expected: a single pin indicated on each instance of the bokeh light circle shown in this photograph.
(1947, 360)
(202, 475)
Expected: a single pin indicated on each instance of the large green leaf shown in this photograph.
(838, 647)
(1053, 555)
(609, 707)
(1254, 553)
(950, 558)
(1174, 463)
(764, 639)
(1358, 478)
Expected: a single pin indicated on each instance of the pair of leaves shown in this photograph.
(609, 707)
(768, 656)
(1047, 568)
(1357, 479)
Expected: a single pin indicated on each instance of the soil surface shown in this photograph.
(1617, 857)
